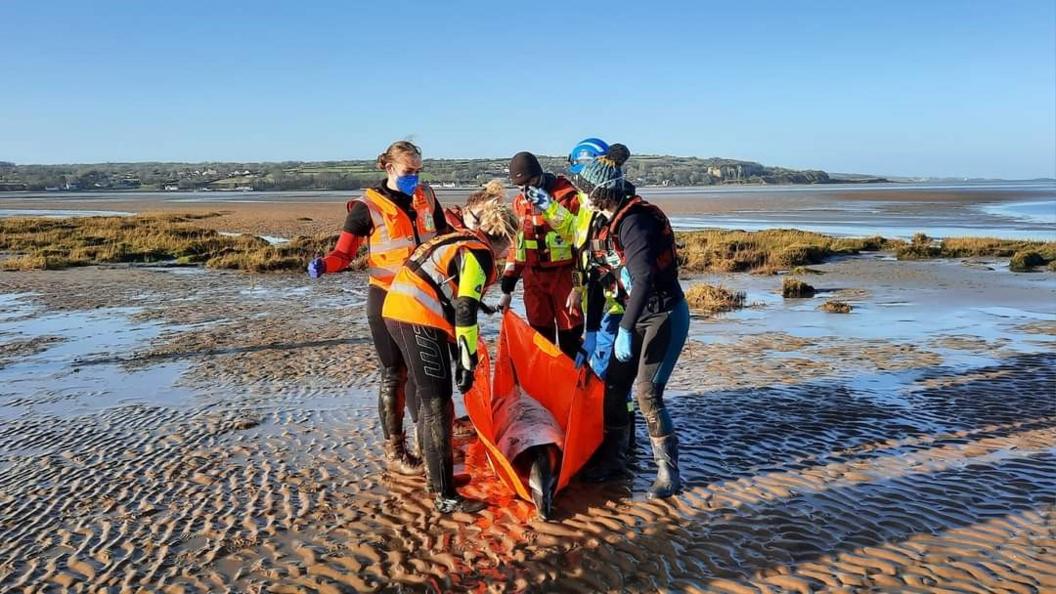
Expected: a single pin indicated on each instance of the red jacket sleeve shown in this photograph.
(512, 272)
(343, 253)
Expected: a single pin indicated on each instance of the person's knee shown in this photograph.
(657, 418)
(648, 398)
(431, 410)
(393, 374)
(647, 405)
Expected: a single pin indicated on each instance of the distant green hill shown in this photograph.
(644, 170)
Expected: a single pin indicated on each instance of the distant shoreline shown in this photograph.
(469, 187)
(455, 187)
(895, 210)
(645, 171)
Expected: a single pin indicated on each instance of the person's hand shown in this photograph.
(316, 268)
(504, 302)
(574, 301)
(465, 366)
(464, 379)
(623, 345)
(539, 198)
(590, 342)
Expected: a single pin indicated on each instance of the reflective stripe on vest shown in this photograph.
(412, 288)
(537, 244)
(423, 291)
(395, 237)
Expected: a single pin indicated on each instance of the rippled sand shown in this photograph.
(184, 431)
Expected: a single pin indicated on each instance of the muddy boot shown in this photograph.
(399, 459)
(668, 480)
(463, 428)
(542, 480)
(609, 463)
(458, 503)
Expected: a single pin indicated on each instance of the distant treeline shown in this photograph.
(646, 170)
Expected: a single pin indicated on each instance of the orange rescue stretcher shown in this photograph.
(539, 418)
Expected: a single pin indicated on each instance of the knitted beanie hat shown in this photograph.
(604, 172)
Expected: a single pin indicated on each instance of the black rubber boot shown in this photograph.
(668, 480)
(609, 462)
(399, 459)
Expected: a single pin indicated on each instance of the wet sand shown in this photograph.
(180, 430)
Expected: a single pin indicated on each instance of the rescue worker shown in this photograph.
(544, 258)
(432, 304)
(633, 252)
(393, 217)
(610, 460)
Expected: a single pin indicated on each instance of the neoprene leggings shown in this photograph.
(656, 345)
(395, 391)
(428, 355)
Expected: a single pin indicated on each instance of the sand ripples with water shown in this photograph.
(258, 470)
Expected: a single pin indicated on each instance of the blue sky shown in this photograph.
(953, 88)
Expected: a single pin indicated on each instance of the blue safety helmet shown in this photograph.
(586, 151)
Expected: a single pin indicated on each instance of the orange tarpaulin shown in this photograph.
(530, 371)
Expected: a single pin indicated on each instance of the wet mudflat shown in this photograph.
(179, 430)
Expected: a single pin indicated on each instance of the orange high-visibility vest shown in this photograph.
(537, 244)
(424, 290)
(395, 235)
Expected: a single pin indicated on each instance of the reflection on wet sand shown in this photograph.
(210, 432)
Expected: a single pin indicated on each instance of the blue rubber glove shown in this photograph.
(625, 279)
(590, 342)
(316, 268)
(623, 345)
(539, 198)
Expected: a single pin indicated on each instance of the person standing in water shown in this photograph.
(394, 218)
(431, 307)
(633, 252)
(544, 258)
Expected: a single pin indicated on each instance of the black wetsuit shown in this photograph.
(393, 370)
(655, 313)
(429, 354)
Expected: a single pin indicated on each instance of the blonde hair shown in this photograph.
(493, 190)
(495, 218)
(400, 148)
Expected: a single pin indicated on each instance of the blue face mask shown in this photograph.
(407, 184)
